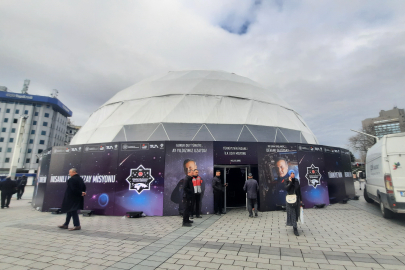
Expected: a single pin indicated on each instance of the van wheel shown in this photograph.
(366, 197)
(386, 212)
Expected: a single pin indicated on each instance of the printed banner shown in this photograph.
(139, 183)
(42, 176)
(313, 183)
(347, 173)
(235, 153)
(200, 155)
(334, 169)
(276, 162)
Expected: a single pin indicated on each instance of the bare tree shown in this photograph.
(361, 143)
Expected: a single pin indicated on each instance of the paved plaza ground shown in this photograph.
(341, 236)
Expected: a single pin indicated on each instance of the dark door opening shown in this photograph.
(235, 195)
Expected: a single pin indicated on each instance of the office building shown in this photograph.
(388, 122)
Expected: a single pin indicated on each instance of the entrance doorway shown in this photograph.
(235, 176)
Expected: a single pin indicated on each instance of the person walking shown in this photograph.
(292, 186)
(188, 190)
(218, 189)
(8, 187)
(21, 186)
(251, 187)
(198, 191)
(73, 200)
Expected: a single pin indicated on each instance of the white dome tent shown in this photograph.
(195, 105)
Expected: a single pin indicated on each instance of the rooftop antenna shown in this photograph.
(365, 134)
(25, 86)
(54, 93)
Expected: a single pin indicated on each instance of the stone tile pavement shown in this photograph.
(341, 236)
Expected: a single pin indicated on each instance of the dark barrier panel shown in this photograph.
(347, 173)
(235, 153)
(333, 166)
(313, 176)
(139, 180)
(99, 171)
(63, 159)
(276, 161)
(42, 176)
(176, 153)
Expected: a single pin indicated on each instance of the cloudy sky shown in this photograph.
(335, 62)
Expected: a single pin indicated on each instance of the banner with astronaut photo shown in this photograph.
(200, 155)
(63, 159)
(313, 183)
(42, 176)
(347, 173)
(276, 162)
(139, 183)
(99, 171)
(334, 169)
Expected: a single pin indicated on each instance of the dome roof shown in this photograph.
(195, 105)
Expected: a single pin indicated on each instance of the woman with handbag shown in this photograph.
(293, 201)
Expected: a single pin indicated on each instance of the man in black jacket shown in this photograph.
(73, 200)
(251, 188)
(8, 188)
(21, 187)
(218, 189)
(188, 190)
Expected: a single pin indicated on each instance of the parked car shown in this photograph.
(385, 170)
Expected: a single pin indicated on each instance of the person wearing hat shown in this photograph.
(218, 189)
(251, 188)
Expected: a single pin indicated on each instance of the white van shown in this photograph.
(385, 174)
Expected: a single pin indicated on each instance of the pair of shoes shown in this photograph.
(218, 214)
(190, 221)
(256, 215)
(186, 224)
(198, 216)
(76, 228)
(296, 232)
(63, 226)
(223, 213)
(250, 215)
(192, 217)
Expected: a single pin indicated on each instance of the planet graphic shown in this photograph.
(103, 200)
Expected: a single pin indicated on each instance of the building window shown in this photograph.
(29, 151)
(37, 160)
(8, 111)
(40, 151)
(34, 123)
(43, 132)
(5, 120)
(45, 124)
(36, 114)
(31, 141)
(47, 115)
(3, 130)
(39, 105)
(48, 106)
(11, 140)
(15, 121)
(27, 160)
(26, 112)
(32, 131)
(42, 142)
(8, 150)
(1, 139)
(1, 149)
(13, 130)
(17, 111)
(7, 160)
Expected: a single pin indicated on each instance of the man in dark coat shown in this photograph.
(218, 189)
(188, 190)
(21, 186)
(8, 188)
(73, 200)
(251, 187)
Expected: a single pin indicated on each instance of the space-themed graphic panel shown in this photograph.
(200, 156)
(235, 153)
(42, 176)
(139, 182)
(334, 169)
(313, 176)
(63, 159)
(276, 162)
(347, 173)
(99, 172)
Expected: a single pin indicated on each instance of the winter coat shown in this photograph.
(251, 188)
(73, 199)
(293, 187)
(217, 185)
(8, 186)
(23, 182)
(188, 188)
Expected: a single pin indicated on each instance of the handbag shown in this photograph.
(291, 199)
